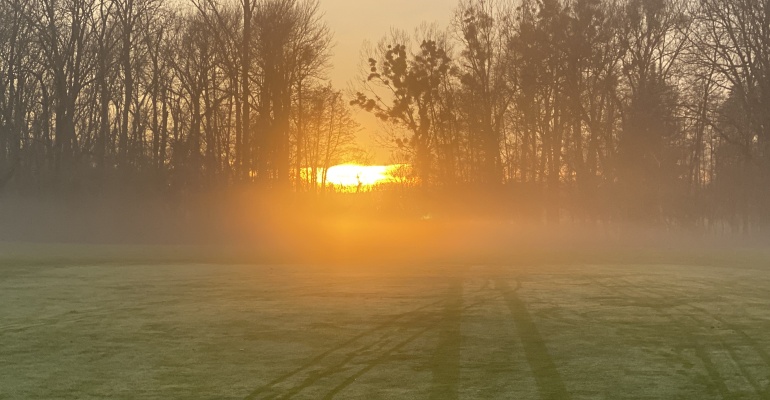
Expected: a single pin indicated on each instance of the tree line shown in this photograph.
(149, 93)
(651, 110)
(612, 110)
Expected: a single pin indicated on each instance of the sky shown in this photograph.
(354, 21)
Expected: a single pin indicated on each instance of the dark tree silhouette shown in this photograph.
(596, 110)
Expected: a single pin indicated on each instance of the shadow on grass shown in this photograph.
(547, 377)
(446, 359)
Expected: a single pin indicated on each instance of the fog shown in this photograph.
(380, 227)
(550, 123)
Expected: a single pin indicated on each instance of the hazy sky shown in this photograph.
(354, 21)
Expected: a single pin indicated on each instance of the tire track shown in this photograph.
(318, 358)
(379, 360)
(714, 377)
(76, 316)
(549, 382)
(745, 372)
(334, 369)
(339, 366)
(711, 368)
(384, 356)
(757, 349)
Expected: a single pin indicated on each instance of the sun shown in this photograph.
(354, 176)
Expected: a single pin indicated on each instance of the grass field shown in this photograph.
(95, 328)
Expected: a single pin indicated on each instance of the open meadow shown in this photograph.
(394, 199)
(105, 327)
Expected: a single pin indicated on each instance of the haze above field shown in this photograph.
(641, 113)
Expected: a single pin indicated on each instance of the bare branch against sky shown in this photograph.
(354, 22)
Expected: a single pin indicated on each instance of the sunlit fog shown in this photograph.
(393, 199)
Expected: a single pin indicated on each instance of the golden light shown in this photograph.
(353, 176)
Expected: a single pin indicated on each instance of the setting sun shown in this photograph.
(353, 175)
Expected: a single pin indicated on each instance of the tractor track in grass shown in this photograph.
(377, 361)
(640, 300)
(643, 295)
(701, 352)
(79, 315)
(69, 317)
(439, 388)
(763, 393)
(448, 344)
(758, 350)
(391, 321)
(331, 370)
(744, 371)
(407, 318)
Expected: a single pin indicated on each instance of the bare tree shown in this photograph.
(405, 88)
(478, 25)
(293, 45)
(329, 135)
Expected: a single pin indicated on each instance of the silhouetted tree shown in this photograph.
(413, 81)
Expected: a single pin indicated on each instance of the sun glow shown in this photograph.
(356, 177)
(351, 178)
(353, 175)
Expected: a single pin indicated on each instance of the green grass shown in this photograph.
(80, 322)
